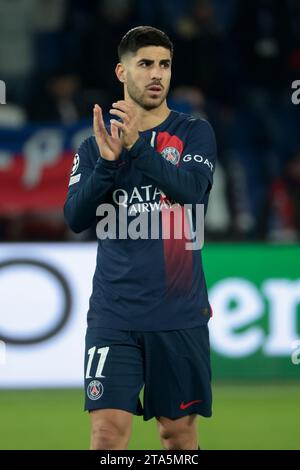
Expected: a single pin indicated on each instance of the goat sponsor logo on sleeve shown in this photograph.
(199, 159)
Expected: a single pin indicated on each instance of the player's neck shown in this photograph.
(152, 118)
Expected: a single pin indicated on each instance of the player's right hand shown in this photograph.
(110, 146)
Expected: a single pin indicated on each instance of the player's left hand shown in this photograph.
(129, 125)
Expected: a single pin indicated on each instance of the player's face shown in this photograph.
(148, 75)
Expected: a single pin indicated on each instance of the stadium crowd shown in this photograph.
(234, 64)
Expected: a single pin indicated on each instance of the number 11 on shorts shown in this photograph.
(103, 354)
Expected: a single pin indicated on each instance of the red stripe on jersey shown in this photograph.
(178, 260)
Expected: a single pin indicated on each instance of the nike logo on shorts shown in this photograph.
(183, 406)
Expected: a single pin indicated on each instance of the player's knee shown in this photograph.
(173, 440)
(179, 441)
(174, 436)
(108, 436)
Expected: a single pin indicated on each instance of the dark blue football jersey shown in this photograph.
(144, 281)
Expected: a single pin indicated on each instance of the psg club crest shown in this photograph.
(75, 164)
(95, 390)
(171, 154)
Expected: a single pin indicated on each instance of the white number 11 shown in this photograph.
(103, 353)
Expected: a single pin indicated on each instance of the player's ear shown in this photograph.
(120, 72)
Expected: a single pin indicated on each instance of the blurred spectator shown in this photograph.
(12, 115)
(208, 65)
(60, 100)
(263, 128)
(163, 14)
(293, 59)
(218, 222)
(17, 52)
(50, 19)
(261, 31)
(188, 99)
(292, 182)
(109, 23)
(234, 64)
(225, 13)
(33, 226)
(283, 220)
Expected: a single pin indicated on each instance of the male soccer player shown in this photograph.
(148, 312)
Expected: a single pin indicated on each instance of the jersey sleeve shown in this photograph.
(88, 186)
(188, 182)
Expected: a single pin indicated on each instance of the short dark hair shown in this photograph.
(143, 36)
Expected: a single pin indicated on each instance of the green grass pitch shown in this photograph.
(260, 416)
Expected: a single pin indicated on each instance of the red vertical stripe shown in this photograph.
(178, 260)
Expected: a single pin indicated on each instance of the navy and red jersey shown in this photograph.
(142, 283)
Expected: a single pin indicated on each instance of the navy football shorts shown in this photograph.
(172, 366)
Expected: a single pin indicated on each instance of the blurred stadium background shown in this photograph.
(235, 63)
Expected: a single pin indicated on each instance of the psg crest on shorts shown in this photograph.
(171, 154)
(95, 390)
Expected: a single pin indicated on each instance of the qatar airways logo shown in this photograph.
(142, 199)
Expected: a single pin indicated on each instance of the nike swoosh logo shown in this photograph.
(183, 406)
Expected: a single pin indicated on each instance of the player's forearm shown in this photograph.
(80, 207)
(185, 187)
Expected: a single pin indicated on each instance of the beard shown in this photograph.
(140, 98)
